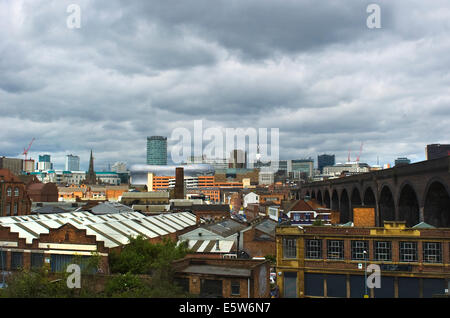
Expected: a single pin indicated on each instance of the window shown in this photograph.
(335, 249)
(289, 247)
(8, 192)
(358, 248)
(37, 260)
(2, 260)
(16, 260)
(314, 249)
(383, 251)
(432, 252)
(15, 208)
(8, 209)
(235, 287)
(408, 251)
(296, 217)
(16, 192)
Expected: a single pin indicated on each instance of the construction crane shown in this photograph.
(25, 151)
(360, 151)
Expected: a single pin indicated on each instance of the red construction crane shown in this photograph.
(25, 151)
(360, 151)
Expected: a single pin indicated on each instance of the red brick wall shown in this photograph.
(258, 248)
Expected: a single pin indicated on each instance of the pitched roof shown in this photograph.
(423, 225)
(225, 228)
(110, 207)
(49, 209)
(211, 246)
(113, 229)
(267, 226)
(298, 205)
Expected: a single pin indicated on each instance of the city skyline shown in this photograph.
(315, 71)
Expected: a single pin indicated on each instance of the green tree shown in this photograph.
(318, 222)
(142, 257)
(126, 285)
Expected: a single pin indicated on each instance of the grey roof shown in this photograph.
(152, 194)
(211, 246)
(67, 206)
(49, 209)
(113, 229)
(267, 226)
(110, 207)
(423, 225)
(225, 228)
(217, 270)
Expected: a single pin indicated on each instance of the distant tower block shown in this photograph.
(179, 183)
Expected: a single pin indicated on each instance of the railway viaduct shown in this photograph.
(414, 193)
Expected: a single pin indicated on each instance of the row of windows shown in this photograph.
(408, 251)
(9, 192)
(16, 260)
(14, 209)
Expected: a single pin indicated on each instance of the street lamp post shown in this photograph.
(366, 295)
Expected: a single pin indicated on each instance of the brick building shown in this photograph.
(29, 241)
(223, 278)
(209, 212)
(259, 239)
(14, 199)
(319, 261)
(12, 164)
(43, 192)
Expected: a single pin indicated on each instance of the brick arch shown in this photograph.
(355, 196)
(345, 206)
(430, 181)
(319, 197)
(327, 198)
(334, 199)
(386, 203)
(367, 198)
(437, 204)
(408, 204)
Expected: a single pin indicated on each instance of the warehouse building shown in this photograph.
(54, 239)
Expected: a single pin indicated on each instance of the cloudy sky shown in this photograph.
(311, 68)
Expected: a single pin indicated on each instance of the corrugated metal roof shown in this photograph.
(112, 229)
(210, 246)
(217, 270)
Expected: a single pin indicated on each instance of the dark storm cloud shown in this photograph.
(310, 68)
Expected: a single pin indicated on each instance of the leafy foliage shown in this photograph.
(126, 285)
(142, 257)
(271, 258)
(318, 222)
(142, 269)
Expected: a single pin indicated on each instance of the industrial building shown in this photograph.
(55, 239)
(319, 261)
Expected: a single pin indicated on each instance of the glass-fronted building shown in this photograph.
(303, 166)
(72, 163)
(325, 160)
(157, 150)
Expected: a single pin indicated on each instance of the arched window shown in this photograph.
(8, 192)
(16, 192)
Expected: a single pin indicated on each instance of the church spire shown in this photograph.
(91, 177)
